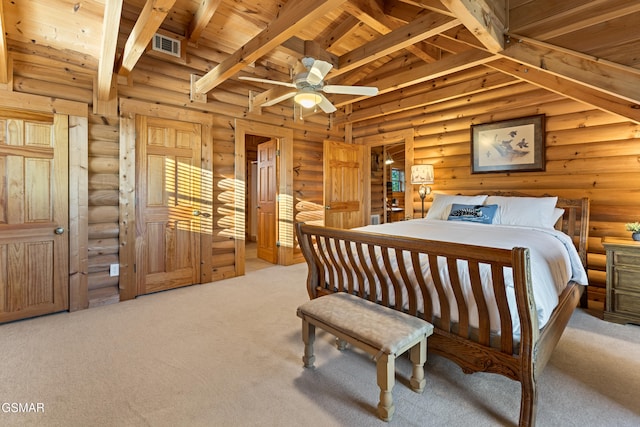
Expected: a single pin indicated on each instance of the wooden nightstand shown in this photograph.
(622, 304)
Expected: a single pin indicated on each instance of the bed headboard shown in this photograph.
(574, 222)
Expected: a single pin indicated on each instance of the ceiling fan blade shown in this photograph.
(326, 105)
(280, 98)
(351, 90)
(318, 71)
(273, 82)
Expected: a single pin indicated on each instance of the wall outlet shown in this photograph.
(114, 270)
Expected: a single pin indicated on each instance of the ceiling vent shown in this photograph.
(168, 45)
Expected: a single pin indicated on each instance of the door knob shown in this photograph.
(59, 230)
(327, 207)
(196, 213)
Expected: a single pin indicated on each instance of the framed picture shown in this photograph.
(509, 145)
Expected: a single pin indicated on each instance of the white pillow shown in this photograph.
(557, 214)
(441, 206)
(527, 211)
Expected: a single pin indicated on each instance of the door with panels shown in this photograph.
(169, 212)
(34, 219)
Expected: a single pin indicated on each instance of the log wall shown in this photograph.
(589, 152)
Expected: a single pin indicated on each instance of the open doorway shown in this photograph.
(389, 171)
(260, 248)
(282, 193)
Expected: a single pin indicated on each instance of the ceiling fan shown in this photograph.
(309, 85)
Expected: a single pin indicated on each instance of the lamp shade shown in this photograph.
(422, 174)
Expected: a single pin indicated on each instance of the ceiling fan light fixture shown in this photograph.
(307, 98)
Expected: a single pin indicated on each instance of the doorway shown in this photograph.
(261, 223)
(377, 148)
(284, 237)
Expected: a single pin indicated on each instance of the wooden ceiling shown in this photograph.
(588, 50)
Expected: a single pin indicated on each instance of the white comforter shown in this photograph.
(554, 260)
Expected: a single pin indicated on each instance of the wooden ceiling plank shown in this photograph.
(569, 89)
(446, 93)
(414, 32)
(4, 56)
(201, 19)
(110, 29)
(150, 19)
(369, 12)
(611, 78)
(341, 32)
(294, 17)
(560, 24)
(533, 14)
(481, 18)
(423, 72)
(433, 5)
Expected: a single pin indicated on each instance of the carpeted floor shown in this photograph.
(229, 354)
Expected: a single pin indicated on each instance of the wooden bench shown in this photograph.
(380, 331)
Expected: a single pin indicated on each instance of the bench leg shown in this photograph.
(386, 367)
(308, 337)
(418, 356)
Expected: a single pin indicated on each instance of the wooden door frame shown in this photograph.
(129, 108)
(77, 113)
(395, 137)
(284, 201)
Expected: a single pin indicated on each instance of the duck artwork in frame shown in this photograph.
(509, 145)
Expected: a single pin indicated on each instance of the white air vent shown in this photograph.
(375, 219)
(166, 44)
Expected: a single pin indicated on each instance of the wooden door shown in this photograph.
(34, 219)
(169, 211)
(266, 209)
(343, 185)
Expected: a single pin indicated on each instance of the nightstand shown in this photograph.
(622, 304)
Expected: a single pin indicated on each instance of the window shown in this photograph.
(397, 180)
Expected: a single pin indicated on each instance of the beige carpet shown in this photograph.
(229, 354)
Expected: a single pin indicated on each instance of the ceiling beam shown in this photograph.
(482, 19)
(311, 49)
(370, 13)
(414, 32)
(201, 19)
(106, 62)
(273, 96)
(4, 56)
(150, 19)
(569, 89)
(608, 77)
(295, 16)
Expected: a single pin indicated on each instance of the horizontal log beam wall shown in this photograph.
(588, 153)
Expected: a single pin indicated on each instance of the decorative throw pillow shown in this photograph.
(441, 205)
(473, 213)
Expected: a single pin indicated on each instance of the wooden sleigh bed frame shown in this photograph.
(474, 349)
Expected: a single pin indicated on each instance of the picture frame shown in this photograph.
(515, 145)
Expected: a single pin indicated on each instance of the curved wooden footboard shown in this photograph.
(366, 264)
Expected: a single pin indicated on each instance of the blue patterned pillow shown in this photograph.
(473, 213)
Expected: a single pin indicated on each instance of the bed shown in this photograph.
(499, 292)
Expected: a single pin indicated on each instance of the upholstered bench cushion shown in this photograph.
(361, 319)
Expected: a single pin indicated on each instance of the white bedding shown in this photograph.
(554, 261)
